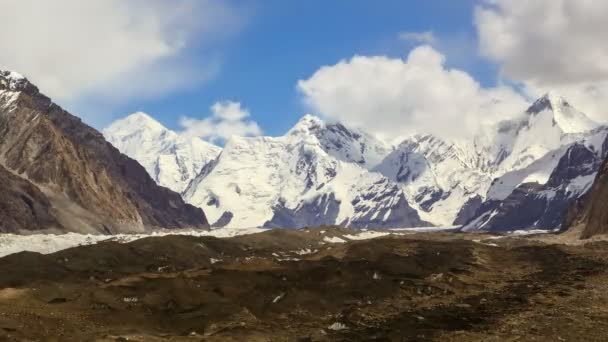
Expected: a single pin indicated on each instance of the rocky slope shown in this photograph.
(69, 177)
(555, 167)
(542, 206)
(172, 160)
(23, 205)
(588, 216)
(316, 174)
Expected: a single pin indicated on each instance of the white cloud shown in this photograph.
(426, 37)
(114, 49)
(228, 118)
(547, 45)
(394, 98)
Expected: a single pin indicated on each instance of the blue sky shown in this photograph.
(286, 41)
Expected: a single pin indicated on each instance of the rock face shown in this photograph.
(318, 173)
(468, 210)
(171, 159)
(70, 177)
(589, 215)
(543, 161)
(23, 205)
(534, 205)
(446, 179)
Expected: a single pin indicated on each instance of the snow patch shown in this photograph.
(333, 239)
(50, 243)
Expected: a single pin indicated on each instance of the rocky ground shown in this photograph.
(297, 286)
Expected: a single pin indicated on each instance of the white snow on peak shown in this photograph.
(138, 121)
(541, 168)
(566, 117)
(319, 163)
(15, 76)
(343, 143)
(439, 176)
(11, 80)
(306, 125)
(314, 164)
(11, 75)
(172, 160)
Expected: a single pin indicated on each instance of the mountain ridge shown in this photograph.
(171, 159)
(272, 181)
(446, 181)
(87, 184)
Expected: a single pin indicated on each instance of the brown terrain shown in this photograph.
(290, 286)
(62, 175)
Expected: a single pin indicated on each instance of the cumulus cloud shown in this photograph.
(394, 98)
(228, 118)
(426, 37)
(111, 48)
(552, 45)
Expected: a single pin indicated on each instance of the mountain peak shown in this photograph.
(549, 101)
(568, 118)
(308, 123)
(137, 121)
(14, 81)
(13, 75)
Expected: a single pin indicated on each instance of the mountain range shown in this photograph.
(543, 169)
(520, 173)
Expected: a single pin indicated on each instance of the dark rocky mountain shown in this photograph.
(22, 205)
(62, 175)
(588, 216)
(468, 210)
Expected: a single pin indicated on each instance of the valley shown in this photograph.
(323, 234)
(303, 171)
(285, 285)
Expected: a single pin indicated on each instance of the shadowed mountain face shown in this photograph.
(558, 151)
(542, 206)
(22, 204)
(589, 215)
(69, 177)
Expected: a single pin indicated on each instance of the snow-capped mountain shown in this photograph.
(346, 144)
(171, 159)
(438, 176)
(543, 203)
(550, 123)
(328, 173)
(447, 181)
(316, 174)
(550, 158)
